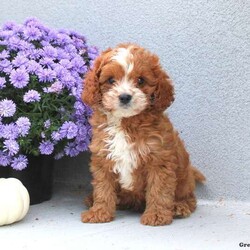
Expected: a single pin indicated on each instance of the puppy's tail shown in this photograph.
(198, 176)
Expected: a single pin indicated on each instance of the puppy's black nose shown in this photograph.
(125, 98)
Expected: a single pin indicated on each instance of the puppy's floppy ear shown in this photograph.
(163, 96)
(91, 94)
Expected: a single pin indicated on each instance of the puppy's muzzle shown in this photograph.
(125, 98)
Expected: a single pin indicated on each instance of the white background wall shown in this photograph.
(205, 47)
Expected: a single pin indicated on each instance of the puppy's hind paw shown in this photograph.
(181, 210)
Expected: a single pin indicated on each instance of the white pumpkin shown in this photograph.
(14, 201)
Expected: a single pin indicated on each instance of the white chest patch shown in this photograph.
(122, 153)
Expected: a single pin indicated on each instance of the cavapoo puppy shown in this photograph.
(138, 160)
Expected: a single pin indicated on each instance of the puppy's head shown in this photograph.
(127, 80)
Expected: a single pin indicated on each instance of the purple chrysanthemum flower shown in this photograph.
(63, 39)
(9, 25)
(71, 150)
(56, 136)
(4, 159)
(93, 50)
(4, 54)
(14, 43)
(60, 71)
(61, 54)
(34, 54)
(77, 62)
(31, 21)
(88, 111)
(33, 67)
(77, 35)
(51, 35)
(69, 130)
(11, 147)
(46, 147)
(68, 81)
(82, 131)
(2, 82)
(75, 92)
(6, 34)
(45, 43)
(46, 75)
(4, 64)
(92, 56)
(47, 61)
(19, 163)
(19, 61)
(34, 22)
(7, 108)
(19, 78)
(59, 156)
(91, 64)
(79, 108)
(47, 123)
(23, 124)
(43, 136)
(70, 49)
(31, 96)
(32, 33)
(82, 145)
(9, 131)
(66, 64)
(56, 87)
(78, 43)
(18, 29)
(49, 51)
(26, 46)
(92, 53)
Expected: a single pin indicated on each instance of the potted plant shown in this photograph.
(42, 116)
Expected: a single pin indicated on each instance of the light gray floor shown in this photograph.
(56, 224)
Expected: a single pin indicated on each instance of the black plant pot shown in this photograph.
(4, 172)
(37, 177)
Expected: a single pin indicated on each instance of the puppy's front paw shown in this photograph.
(96, 216)
(157, 218)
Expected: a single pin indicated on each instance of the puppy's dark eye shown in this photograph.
(111, 80)
(140, 81)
